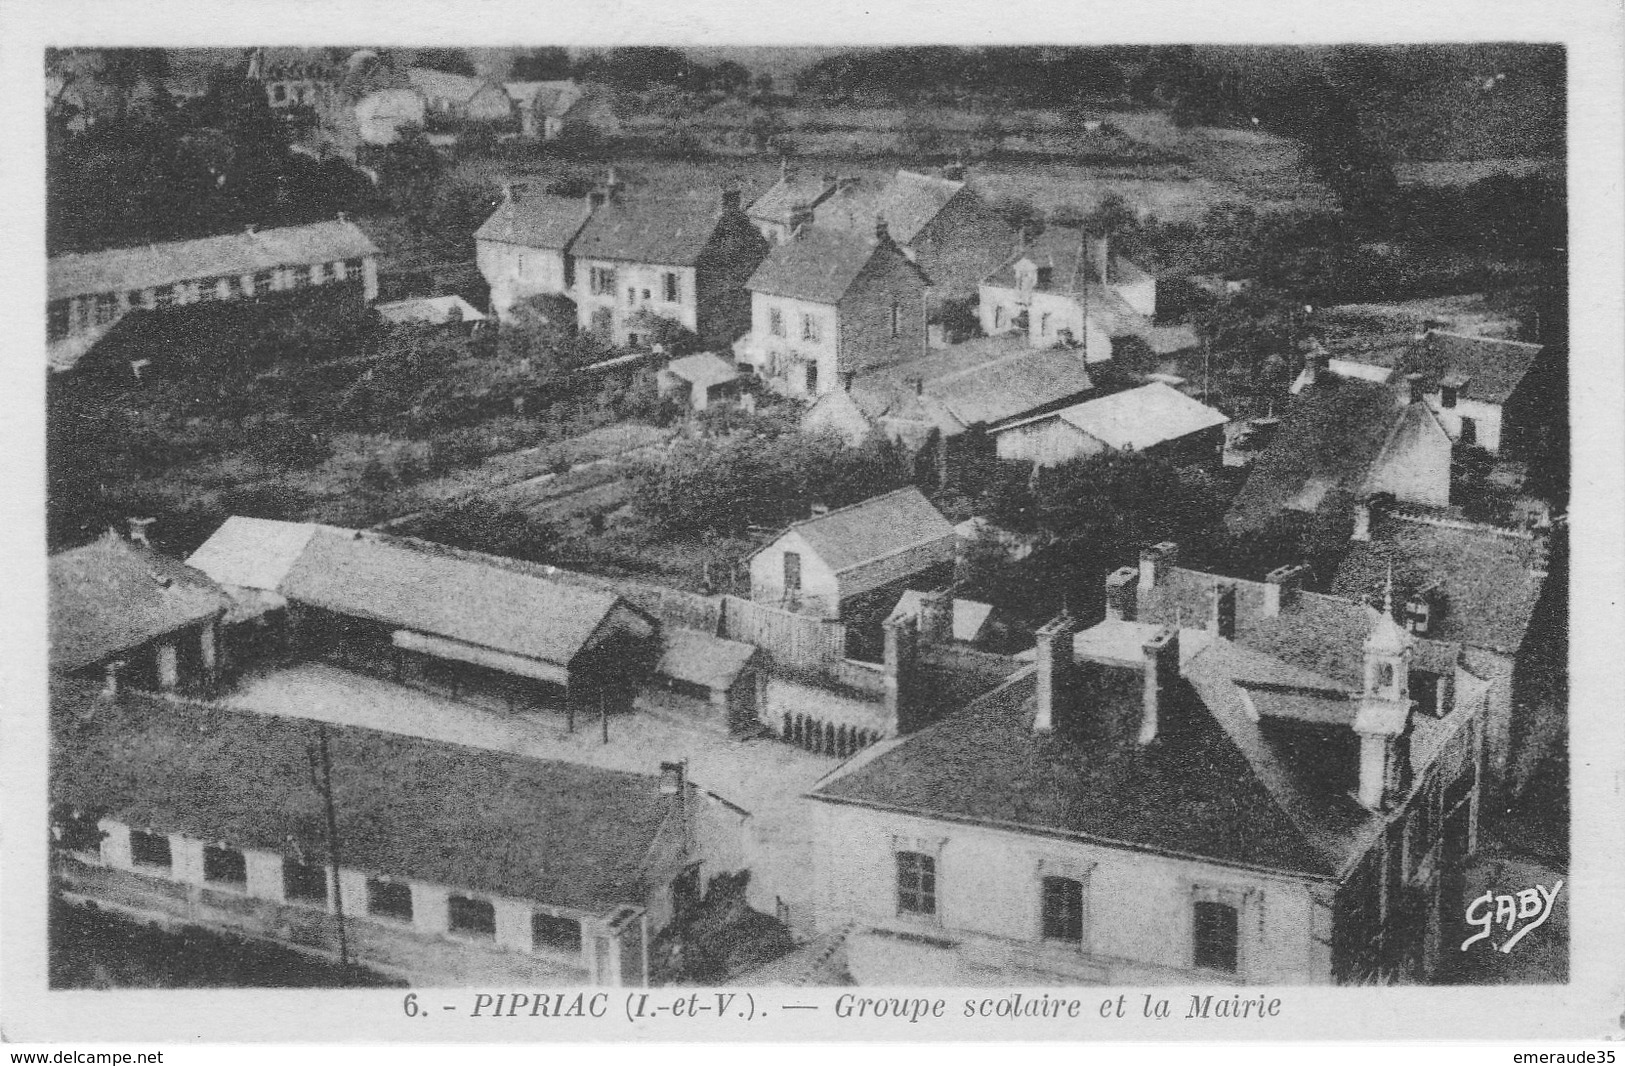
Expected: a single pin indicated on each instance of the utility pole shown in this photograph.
(333, 843)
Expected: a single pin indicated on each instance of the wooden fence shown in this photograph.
(796, 641)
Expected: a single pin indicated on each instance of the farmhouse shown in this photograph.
(686, 260)
(1152, 418)
(90, 291)
(437, 863)
(819, 565)
(829, 303)
(1153, 804)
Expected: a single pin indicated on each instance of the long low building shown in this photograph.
(1151, 418)
(433, 862)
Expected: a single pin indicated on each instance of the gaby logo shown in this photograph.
(1489, 910)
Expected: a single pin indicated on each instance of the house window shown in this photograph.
(631, 294)
(555, 932)
(601, 281)
(318, 273)
(136, 298)
(225, 866)
(56, 319)
(792, 572)
(1469, 432)
(304, 882)
(163, 296)
(775, 322)
(916, 883)
(812, 379)
(264, 280)
(1063, 909)
(107, 307)
(670, 281)
(998, 318)
(811, 328)
(896, 319)
(472, 917)
(149, 849)
(352, 269)
(279, 94)
(389, 899)
(1447, 395)
(208, 289)
(1043, 324)
(1215, 936)
(297, 279)
(1385, 676)
(81, 313)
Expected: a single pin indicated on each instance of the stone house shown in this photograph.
(686, 260)
(524, 248)
(437, 863)
(819, 565)
(1151, 805)
(829, 303)
(788, 207)
(1151, 418)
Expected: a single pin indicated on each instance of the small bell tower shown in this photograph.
(1383, 722)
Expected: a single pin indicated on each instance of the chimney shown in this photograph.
(1418, 389)
(1121, 601)
(1315, 363)
(1223, 621)
(882, 231)
(901, 649)
(730, 199)
(1160, 655)
(251, 228)
(1054, 647)
(111, 684)
(1362, 521)
(344, 217)
(937, 616)
(138, 530)
(596, 198)
(845, 377)
(1155, 563)
(1281, 588)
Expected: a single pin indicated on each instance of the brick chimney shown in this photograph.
(901, 652)
(937, 616)
(1054, 646)
(882, 231)
(111, 683)
(1121, 602)
(1223, 619)
(1315, 363)
(138, 530)
(1418, 387)
(1362, 521)
(730, 199)
(1155, 562)
(1160, 656)
(1282, 587)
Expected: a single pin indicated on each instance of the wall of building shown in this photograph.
(1047, 442)
(735, 251)
(1419, 473)
(784, 360)
(866, 337)
(632, 280)
(959, 247)
(1486, 419)
(517, 272)
(1138, 909)
(820, 591)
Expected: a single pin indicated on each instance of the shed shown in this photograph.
(701, 379)
(1153, 416)
(721, 672)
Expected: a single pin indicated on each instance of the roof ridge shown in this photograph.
(854, 506)
(1482, 337)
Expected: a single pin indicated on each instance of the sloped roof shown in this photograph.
(1329, 440)
(703, 370)
(1486, 588)
(1059, 249)
(552, 98)
(254, 553)
(701, 659)
(438, 84)
(818, 265)
(1491, 366)
(908, 203)
(447, 597)
(1191, 794)
(432, 310)
(878, 528)
(789, 193)
(969, 615)
(121, 269)
(466, 818)
(664, 231)
(1140, 418)
(536, 221)
(987, 382)
(112, 595)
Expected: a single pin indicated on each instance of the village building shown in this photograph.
(89, 292)
(458, 98)
(941, 616)
(820, 565)
(431, 311)
(294, 77)
(524, 248)
(1341, 440)
(124, 614)
(549, 109)
(1478, 586)
(1157, 804)
(1154, 418)
(699, 380)
(685, 260)
(436, 863)
(787, 208)
(829, 303)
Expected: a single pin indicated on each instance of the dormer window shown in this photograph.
(1418, 613)
(1046, 277)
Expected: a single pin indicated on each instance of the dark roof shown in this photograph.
(983, 382)
(1492, 367)
(536, 221)
(1193, 793)
(112, 595)
(1486, 586)
(121, 269)
(878, 528)
(1059, 249)
(450, 815)
(818, 265)
(1329, 440)
(444, 596)
(908, 203)
(652, 230)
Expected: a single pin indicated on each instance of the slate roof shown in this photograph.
(536, 221)
(818, 266)
(1139, 418)
(788, 194)
(878, 528)
(466, 818)
(986, 382)
(438, 84)
(1060, 249)
(123, 269)
(703, 370)
(702, 659)
(908, 203)
(1492, 367)
(1487, 592)
(1193, 793)
(445, 596)
(112, 595)
(1329, 440)
(651, 230)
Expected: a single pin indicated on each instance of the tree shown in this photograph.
(729, 77)
(541, 64)
(446, 60)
